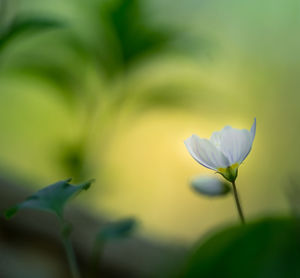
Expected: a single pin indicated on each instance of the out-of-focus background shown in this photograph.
(111, 89)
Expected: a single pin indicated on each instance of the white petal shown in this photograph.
(216, 139)
(253, 130)
(252, 136)
(205, 153)
(235, 143)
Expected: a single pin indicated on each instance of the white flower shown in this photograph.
(210, 186)
(224, 151)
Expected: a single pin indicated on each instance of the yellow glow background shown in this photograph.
(252, 70)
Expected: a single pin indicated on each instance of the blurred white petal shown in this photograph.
(210, 186)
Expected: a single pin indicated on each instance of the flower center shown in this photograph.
(229, 173)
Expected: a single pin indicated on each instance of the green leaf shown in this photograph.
(21, 25)
(135, 35)
(52, 198)
(119, 229)
(72, 158)
(261, 249)
(128, 34)
(11, 212)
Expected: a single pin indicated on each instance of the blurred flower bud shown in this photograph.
(210, 186)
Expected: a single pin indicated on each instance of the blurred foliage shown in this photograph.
(118, 229)
(111, 56)
(120, 37)
(111, 231)
(91, 71)
(128, 36)
(21, 25)
(265, 248)
(52, 198)
(72, 157)
(293, 195)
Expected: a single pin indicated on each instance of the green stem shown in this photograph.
(71, 257)
(65, 235)
(238, 204)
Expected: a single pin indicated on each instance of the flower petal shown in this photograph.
(216, 139)
(253, 130)
(205, 153)
(235, 143)
(252, 136)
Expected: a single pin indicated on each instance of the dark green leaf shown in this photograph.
(21, 25)
(72, 158)
(128, 34)
(262, 249)
(52, 198)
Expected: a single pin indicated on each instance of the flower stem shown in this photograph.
(71, 257)
(65, 236)
(237, 202)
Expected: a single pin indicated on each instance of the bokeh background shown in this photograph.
(111, 89)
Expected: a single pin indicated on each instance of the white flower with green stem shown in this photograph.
(224, 152)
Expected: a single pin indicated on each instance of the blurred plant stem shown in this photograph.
(98, 121)
(65, 235)
(95, 263)
(238, 204)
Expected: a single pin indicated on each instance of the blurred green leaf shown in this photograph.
(72, 159)
(167, 96)
(114, 230)
(261, 249)
(67, 81)
(52, 198)
(21, 25)
(128, 35)
(119, 229)
(293, 194)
